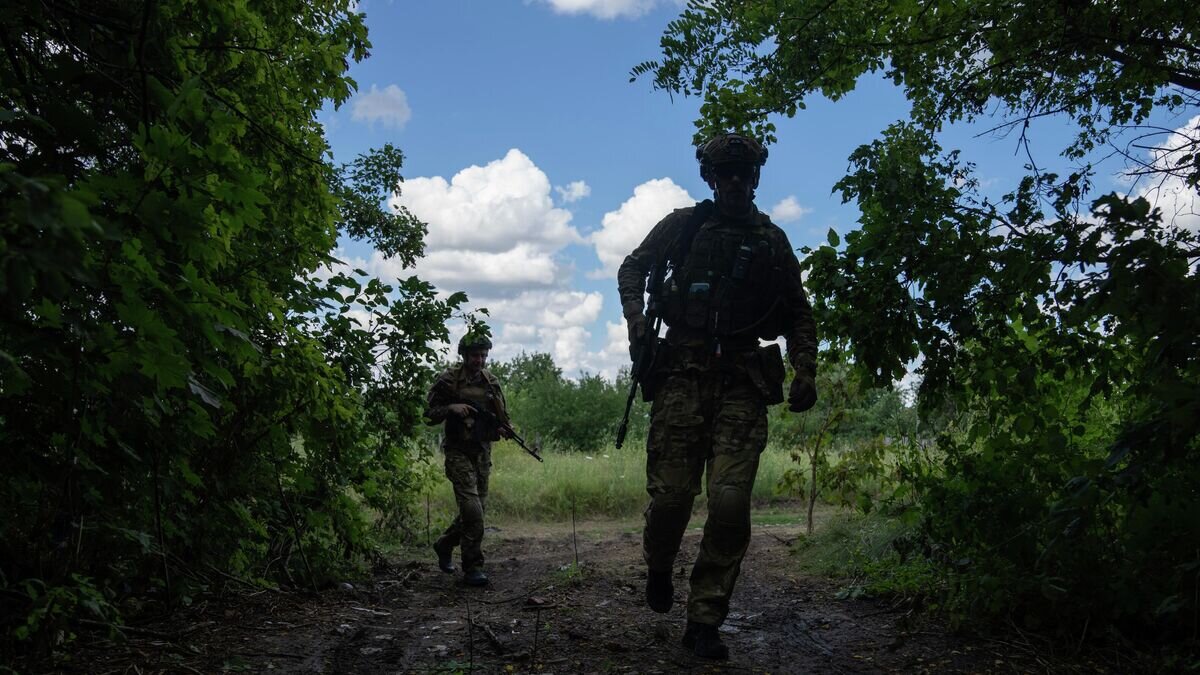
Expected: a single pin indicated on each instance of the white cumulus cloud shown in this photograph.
(788, 210)
(481, 273)
(573, 192)
(494, 232)
(554, 322)
(490, 208)
(550, 308)
(560, 323)
(615, 354)
(387, 106)
(603, 9)
(622, 230)
(1179, 203)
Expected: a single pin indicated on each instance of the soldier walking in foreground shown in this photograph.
(468, 399)
(724, 278)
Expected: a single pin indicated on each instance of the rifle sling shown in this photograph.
(679, 248)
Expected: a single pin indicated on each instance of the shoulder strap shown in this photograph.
(445, 380)
(492, 382)
(679, 248)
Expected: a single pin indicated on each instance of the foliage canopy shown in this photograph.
(1055, 326)
(185, 392)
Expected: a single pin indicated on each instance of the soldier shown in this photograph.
(456, 399)
(731, 279)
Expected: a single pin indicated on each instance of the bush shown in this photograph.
(184, 384)
(572, 415)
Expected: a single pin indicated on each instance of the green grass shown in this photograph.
(569, 575)
(847, 542)
(794, 514)
(864, 551)
(607, 484)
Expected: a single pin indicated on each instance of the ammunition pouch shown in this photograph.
(767, 372)
(696, 305)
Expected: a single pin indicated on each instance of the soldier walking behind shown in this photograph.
(728, 278)
(456, 398)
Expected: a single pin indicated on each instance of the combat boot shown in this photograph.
(475, 578)
(445, 556)
(704, 641)
(660, 593)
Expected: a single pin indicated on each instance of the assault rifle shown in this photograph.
(647, 347)
(493, 422)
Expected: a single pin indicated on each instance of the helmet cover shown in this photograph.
(730, 149)
(473, 341)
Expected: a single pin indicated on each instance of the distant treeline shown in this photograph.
(581, 414)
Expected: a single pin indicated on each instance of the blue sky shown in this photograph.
(538, 165)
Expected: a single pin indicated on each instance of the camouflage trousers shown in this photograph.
(468, 473)
(704, 423)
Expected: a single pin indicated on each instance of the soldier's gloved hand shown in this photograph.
(637, 330)
(803, 393)
(460, 409)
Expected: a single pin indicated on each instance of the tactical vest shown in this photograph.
(471, 431)
(725, 287)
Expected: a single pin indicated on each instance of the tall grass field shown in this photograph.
(607, 484)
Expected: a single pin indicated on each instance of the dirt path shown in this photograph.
(541, 614)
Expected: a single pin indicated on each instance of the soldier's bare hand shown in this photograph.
(636, 324)
(460, 409)
(505, 432)
(803, 393)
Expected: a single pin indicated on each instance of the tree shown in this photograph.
(810, 436)
(1059, 324)
(839, 446)
(1103, 65)
(577, 414)
(183, 388)
(524, 370)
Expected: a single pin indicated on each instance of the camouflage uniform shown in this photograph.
(467, 446)
(714, 383)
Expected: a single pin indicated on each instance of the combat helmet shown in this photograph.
(473, 341)
(730, 148)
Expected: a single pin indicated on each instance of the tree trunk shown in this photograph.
(812, 495)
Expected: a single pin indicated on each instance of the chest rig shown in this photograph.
(725, 284)
(474, 429)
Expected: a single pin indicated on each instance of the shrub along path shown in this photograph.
(543, 614)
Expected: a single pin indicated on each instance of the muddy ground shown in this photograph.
(543, 614)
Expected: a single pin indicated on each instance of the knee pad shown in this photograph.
(729, 511)
(670, 508)
(471, 512)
